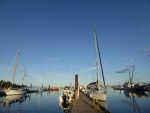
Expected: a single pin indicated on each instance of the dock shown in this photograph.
(85, 104)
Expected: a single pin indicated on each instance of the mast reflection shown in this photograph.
(132, 96)
(12, 99)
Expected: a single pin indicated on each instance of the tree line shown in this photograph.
(7, 84)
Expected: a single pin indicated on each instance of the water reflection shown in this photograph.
(41, 102)
(39, 94)
(121, 91)
(10, 100)
(48, 92)
(39, 99)
(133, 96)
(48, 102)
(65, 106)
(142, 94)
(14, 99)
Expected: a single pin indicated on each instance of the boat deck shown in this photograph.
(85, 105)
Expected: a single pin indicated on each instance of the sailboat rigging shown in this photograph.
(25, 72)
(98, 52)
(13, 90)
(94, 90)
(15, 68)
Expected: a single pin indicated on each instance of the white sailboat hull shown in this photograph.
(15, 92)
(94, 87)
(99, 96)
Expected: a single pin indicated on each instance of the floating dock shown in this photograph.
(85, 105)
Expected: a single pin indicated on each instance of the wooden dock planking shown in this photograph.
(84, 105)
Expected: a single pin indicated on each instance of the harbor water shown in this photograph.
(118, 101)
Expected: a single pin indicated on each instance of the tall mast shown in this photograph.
(25, 72)
(98, 52)
(17, 56)
(132, 74)
(130, 77)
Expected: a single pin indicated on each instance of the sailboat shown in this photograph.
(13, 90)
(40, 89)
(94, 89)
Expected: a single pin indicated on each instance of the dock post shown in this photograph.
(76, 87)
(95, 104)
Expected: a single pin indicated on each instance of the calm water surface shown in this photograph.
(48, 102)
(120, 101)
(45, 102)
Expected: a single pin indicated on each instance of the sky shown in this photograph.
(56, 40)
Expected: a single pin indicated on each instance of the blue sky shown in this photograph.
(56, 40)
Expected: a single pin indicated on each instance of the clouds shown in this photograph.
(90, 69)
(145, 49)
(87, 70)
(130, 59)
(123, 71)
(126, 67)
(124, 58)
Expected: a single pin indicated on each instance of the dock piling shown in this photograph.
(95, 104)
(76, 87)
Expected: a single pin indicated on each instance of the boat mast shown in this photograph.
(130, 77)
(17, 56)
(25, 72)
(97, 74)
(132, 74)
(98, 52)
